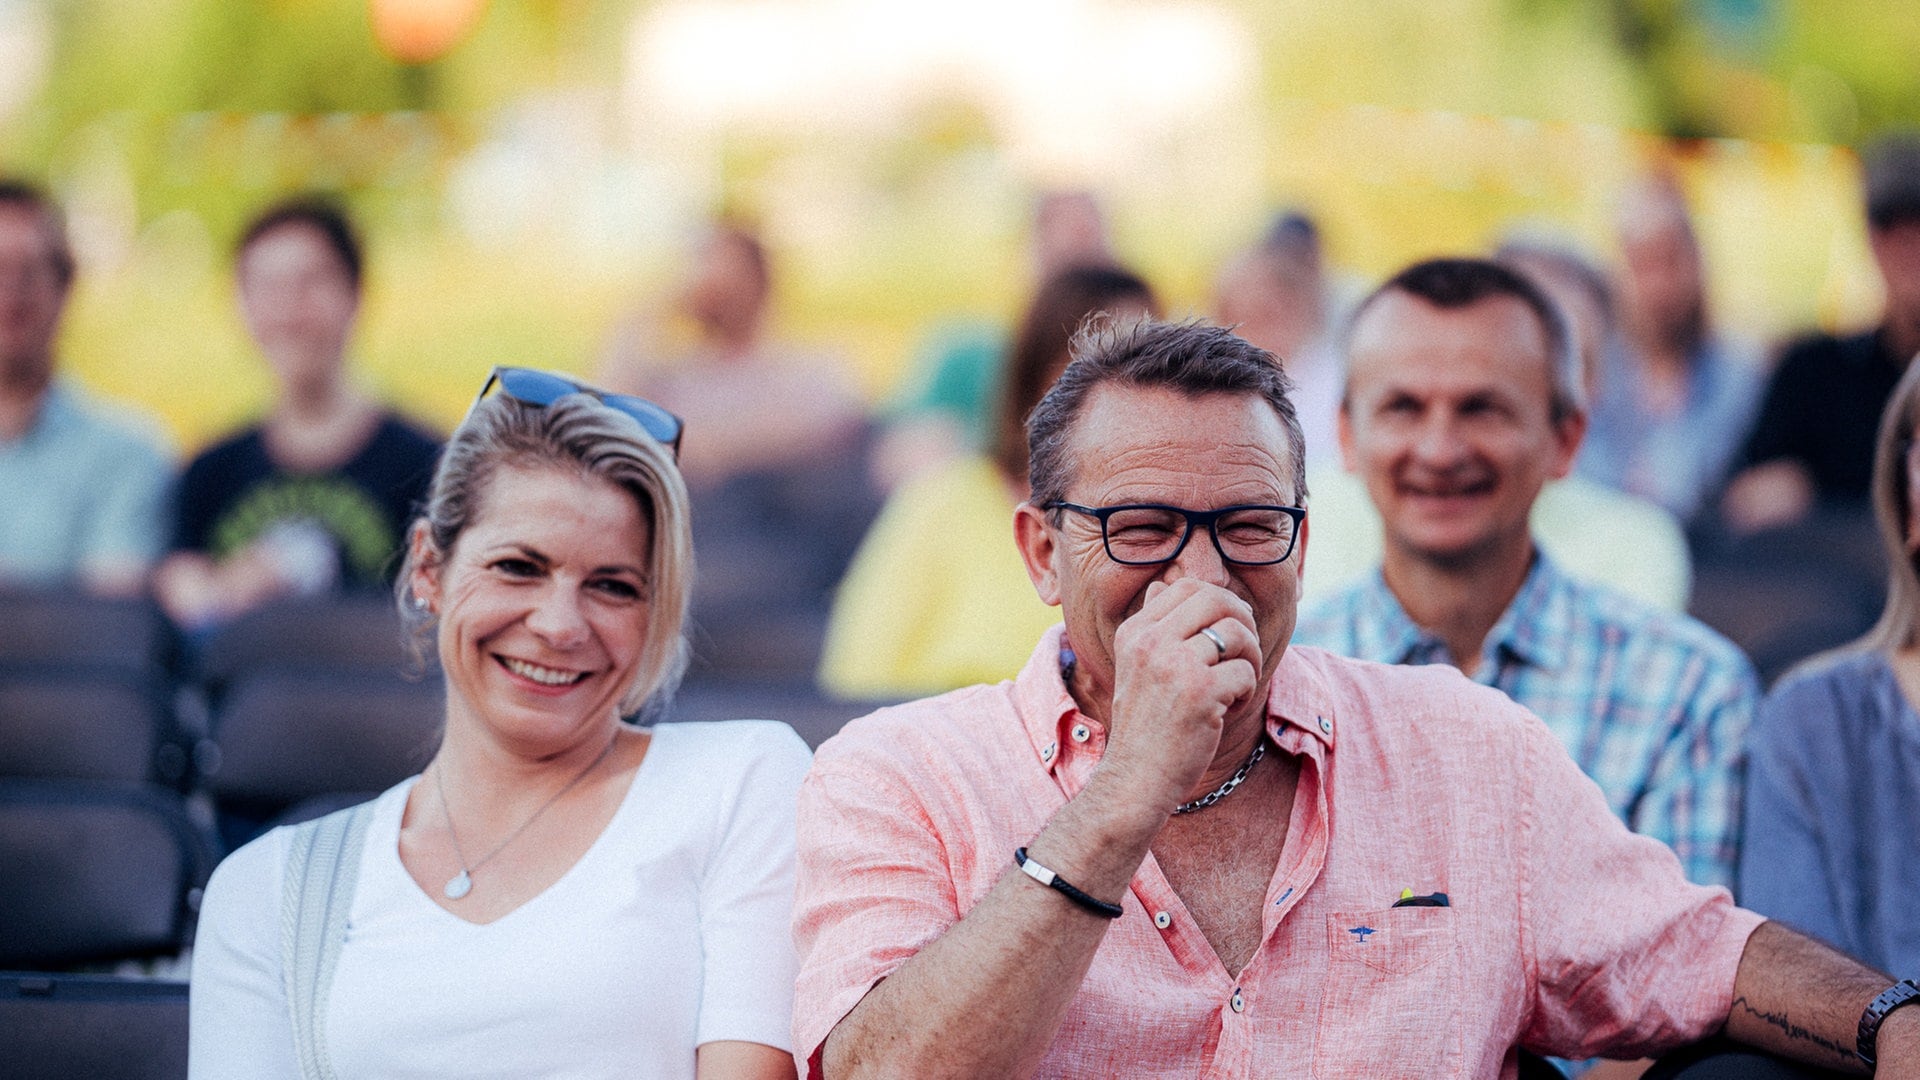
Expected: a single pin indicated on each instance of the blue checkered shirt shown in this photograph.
(1653, 706)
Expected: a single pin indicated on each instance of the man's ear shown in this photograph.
(423, 568)
(1038, 550)
(1569, 431)
(1343, 427)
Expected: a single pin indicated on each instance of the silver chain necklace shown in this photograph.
(461, 883)
(1226, 789)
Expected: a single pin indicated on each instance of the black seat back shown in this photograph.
(95, 872)
(58, 722)
(57, 1027)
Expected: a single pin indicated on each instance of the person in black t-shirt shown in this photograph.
(316, 497)
(1812, 444)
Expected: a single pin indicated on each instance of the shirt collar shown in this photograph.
(1383, 631)
(1298, 697)
(1530, 630)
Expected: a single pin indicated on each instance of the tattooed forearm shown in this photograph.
(1792, 1031)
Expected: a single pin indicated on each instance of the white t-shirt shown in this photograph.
(671, 931)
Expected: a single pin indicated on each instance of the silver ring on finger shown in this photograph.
(1219, 644)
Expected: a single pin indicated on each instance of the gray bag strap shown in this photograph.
(323, 869)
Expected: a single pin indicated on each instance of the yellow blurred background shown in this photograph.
(526, 173)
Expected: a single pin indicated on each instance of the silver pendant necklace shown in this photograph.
(461, 883)
(1221, 792)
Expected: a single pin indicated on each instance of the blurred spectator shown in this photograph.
(938, 596)
(775, 459)
(1592, 532)
(1813, 441)
(948, 405)
(1836, 752)
(84, 486)
(756, 404)
(1463, 399)
(1275, 295)
(1673, 396)
(314, 498)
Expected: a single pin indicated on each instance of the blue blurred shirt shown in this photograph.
(84, 489)
(1679, 460)
(1831, 845)
(1653, 705)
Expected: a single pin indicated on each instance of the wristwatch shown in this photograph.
(1904, 992)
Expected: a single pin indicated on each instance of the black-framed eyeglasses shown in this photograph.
(1148, 534)
(531, 386)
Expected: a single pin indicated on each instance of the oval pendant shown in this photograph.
(458, 886)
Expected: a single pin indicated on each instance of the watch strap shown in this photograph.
(1904, 992)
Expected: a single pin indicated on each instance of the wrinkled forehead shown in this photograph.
(1128, 440)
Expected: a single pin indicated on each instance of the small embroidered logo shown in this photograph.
(1361, 933)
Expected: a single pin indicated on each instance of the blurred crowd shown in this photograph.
(1718, 489)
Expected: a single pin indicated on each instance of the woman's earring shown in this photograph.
(419, 602)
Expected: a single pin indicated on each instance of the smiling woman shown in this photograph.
(560, 892)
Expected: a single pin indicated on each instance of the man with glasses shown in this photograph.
(1463, 400)
(1174, 846)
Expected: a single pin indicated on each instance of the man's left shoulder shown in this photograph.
(1648, 634)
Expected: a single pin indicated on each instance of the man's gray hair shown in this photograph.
(1193, 358)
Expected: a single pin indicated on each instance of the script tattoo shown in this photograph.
(1793, 1031)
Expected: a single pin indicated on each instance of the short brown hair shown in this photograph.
(1454, 283)
(1194, 358)
(25, 196)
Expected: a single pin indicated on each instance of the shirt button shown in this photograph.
(1081, 733)
(1047, 754)
(1326, 726)
(1239, 1003)
(1162, 920)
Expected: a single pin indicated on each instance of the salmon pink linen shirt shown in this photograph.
(1564, 932)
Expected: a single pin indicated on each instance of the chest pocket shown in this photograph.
(1391, 1000)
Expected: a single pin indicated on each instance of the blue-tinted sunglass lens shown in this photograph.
(654, 420)
(535, 387)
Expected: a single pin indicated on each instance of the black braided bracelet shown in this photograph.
(1054, 881)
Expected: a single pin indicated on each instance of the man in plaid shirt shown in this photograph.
(1454, 420)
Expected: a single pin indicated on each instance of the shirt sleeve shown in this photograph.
(746, 897)
(238, 1023)
(1692, 801)
(1785, 866)
(872, 890)
(1625, 957)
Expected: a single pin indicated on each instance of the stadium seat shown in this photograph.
(57, 1027)
(95, 872)
(358, 633)
(280, 737)
(63, 627)
(67, 723)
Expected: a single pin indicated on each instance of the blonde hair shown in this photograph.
(575, 433)
(1899, 623)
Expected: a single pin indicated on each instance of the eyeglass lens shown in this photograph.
(1155, 535)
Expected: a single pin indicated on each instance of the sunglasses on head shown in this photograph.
(530, 386)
